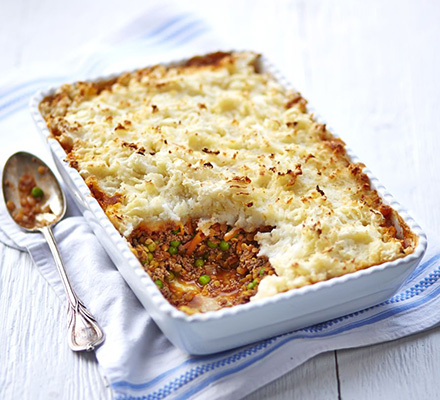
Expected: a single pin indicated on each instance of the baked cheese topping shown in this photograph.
(218, 141)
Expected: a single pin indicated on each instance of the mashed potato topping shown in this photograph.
(215, 140)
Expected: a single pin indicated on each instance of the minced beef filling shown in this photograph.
(199, 273)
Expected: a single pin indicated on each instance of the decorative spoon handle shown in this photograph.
(84, 331)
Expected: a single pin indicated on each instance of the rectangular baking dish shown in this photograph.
(215, 331)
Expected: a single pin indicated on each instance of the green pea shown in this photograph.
(204, 279)
(159, 283)
(199, 263)
(261, 271)
(175, 243)
(252, 284)
(172, 250)
(224, 245)
(171, 275)
(150, 257)
(152, 247)
(37, 192)
(211, 245)
(175, 231)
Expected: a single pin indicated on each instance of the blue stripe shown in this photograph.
(148, 35)
(22, 98)
(166, 25)
(153, 33)
(378, 317)
(27, 84)
(232, 370)
(191, 36)
(146, 385)
(163, 392)
(153, 42)
(12, 111)
(354, 325)
(181, 30)
(421, 269)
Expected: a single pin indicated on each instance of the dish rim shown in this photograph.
(151, 289)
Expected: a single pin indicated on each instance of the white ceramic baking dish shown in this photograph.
(227, 328)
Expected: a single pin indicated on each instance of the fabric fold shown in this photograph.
(136, 358)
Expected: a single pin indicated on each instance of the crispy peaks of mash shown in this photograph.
(218, 141)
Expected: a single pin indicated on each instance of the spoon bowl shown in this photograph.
(21, 164)
(36, 202)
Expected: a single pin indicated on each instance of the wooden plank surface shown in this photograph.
(36, 362)
(403, 369)
(371, 68)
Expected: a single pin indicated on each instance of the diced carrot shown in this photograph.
(229, 235)
(185, 245)
(194, 242)
(189, 227)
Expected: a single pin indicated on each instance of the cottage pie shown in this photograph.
(225, 187)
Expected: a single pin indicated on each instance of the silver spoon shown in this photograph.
(84, 331)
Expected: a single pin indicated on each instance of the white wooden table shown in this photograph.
(371, 68)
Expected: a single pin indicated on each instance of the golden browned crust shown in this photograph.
(81, 91)
(103, 198)
(211, 59)
(55, 107)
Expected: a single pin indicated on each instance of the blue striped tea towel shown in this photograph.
(136, 358)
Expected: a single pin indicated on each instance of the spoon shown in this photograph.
(41, 189)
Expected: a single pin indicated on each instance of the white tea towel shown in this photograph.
(138, 361)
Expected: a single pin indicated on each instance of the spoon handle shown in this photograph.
(84, 331)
